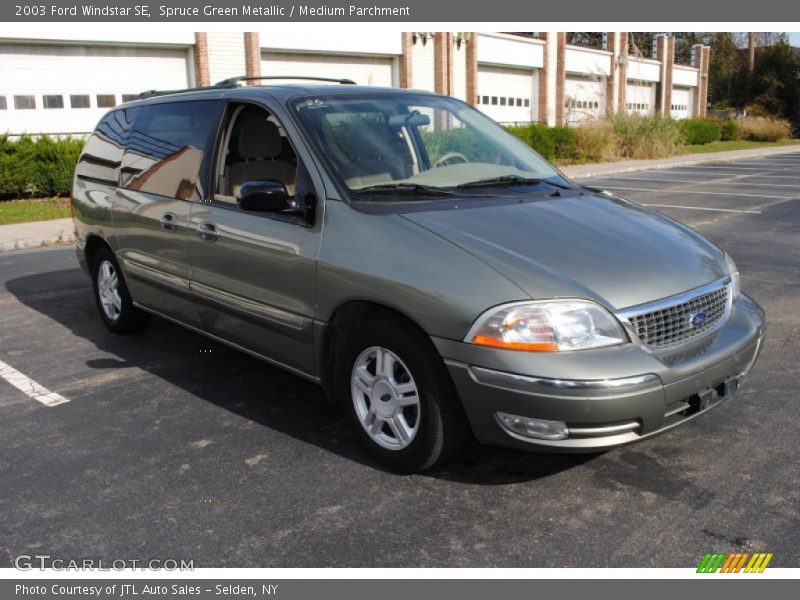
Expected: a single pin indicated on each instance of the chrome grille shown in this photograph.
(676, 324)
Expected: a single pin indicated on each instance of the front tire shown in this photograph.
(397, 396)
(112, 296)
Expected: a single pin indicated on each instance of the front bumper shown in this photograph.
(607, 397)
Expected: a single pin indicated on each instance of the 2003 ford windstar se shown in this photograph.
(435, 275)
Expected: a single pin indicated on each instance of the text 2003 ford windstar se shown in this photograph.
(436, 276)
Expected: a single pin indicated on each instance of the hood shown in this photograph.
(582, 245)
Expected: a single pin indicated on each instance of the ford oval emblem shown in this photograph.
(698, 319)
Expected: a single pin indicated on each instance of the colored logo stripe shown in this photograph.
(734, 563)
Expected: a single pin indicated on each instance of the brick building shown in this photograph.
(63, 84)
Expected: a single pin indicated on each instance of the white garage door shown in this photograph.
(66, 89)
(364, 70)
(508, 95)
(681, 103)
(584, 98)
(640, 97)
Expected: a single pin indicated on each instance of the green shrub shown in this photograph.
(700, 131)
(541, 140)
(596, 142)
(729, 130)
(764, 129)
(646, 136)
(564, 140)
(37, 167)
(554, 143)
(537, 136)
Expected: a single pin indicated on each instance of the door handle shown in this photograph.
(208, 232)
(169, 222)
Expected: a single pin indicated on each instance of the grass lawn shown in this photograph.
(40, 209)
(735, 145)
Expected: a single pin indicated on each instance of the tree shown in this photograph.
(775, 85)
(590, 39)
(641, 44)
(726, 71)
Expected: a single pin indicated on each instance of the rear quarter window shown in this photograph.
(168, 151)
(102, 154)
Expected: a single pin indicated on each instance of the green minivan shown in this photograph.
(436, 276)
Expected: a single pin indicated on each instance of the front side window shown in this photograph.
(166, 153)
(255, 147)
(414, 139)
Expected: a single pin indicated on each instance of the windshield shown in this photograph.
(415, 141)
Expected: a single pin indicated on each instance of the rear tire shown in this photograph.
(397, 397)
(112, 296)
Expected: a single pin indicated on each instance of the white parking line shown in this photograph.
(730, 168)
(672, 191)
(29, 387)
(740, 175)
(712, 182)
(727, 210)
(768, 163)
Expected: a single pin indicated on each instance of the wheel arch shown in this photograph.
(93, 243)
(343, 319)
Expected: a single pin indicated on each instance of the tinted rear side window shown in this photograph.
(169, 150)
(102, 154)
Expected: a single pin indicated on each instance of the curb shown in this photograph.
(686, 160)
(36, 234)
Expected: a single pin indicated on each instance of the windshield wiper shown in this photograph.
(509, 180)
(415, 189)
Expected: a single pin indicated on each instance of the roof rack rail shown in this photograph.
(151, 93)
(236, 80)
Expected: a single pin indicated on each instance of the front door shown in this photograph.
(253, 273)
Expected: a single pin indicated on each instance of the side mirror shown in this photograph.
(263, 195)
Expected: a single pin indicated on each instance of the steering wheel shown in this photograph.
(451, 158)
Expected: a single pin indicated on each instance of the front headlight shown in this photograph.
(733, 271)
(550, 326)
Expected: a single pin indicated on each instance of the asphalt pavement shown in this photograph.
(171, 446)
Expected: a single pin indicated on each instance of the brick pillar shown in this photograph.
(542, 111)
(551, 78)
(665, 54)
(617, 82)
(442, 62)
(624, 46)
(252, 56)
(202, 76)
(561, 76)
(472, 69)
(697, 62)
(405, 75)
(703, 82)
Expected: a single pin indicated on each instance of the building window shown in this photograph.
(519, 101)
(24, 102)
(106, 100)
(53, 101)
(494, 100)
(79, 101)
(527, 103)
(3, 105)
(502, 100)
(129, 97)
